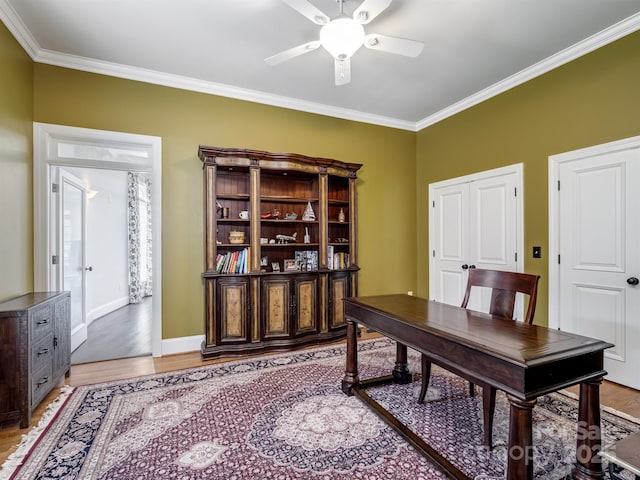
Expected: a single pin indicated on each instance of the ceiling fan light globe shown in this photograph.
(342, 37)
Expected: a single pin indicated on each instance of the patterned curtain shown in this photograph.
(140, 241)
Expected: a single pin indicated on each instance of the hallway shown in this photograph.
(126, 332)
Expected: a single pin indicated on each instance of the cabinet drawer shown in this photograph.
(42, 353)
(41, 384)
(41, 323)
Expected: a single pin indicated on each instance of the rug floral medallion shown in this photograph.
(284, 417)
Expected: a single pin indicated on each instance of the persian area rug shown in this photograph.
(284, 417)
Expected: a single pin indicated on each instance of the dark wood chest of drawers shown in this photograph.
(35, 351)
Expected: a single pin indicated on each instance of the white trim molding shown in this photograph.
(15, 25)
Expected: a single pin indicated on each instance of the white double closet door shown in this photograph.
(474, 222)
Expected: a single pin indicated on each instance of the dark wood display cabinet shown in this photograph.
(280, 249)
(35, 351)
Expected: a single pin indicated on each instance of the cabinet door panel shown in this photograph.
(232, 295)
(276, 306)
(338, 290)
(306, 294)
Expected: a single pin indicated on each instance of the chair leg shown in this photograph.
(426, 375)
(472, 390)
(488, 407)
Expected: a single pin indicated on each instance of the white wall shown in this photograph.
(107, 284)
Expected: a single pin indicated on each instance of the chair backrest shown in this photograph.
(504, 287)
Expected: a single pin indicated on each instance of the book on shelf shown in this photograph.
(233, 262)
(337, 260)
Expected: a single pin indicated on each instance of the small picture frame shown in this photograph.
(275, 266)
(291, 265)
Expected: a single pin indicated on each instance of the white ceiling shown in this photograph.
(474, 49)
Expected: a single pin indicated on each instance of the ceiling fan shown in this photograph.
(342, 36)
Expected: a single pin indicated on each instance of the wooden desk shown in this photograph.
(525, 361)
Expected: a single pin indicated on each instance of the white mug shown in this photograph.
(244, 214)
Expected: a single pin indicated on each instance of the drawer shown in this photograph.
(41, 322)
(41, 353)
(41, 384)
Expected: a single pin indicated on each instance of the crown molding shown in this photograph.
(15, 25)
(18, 29)
(186, 83)
(598, 40)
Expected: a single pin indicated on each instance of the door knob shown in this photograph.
(472, 266)
(633, 281)
(89, 269)
(465, 266)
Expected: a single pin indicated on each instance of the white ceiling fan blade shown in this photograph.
(308, 10)
(400, 46)
(291, 53)
(370, 9)
(343, 71)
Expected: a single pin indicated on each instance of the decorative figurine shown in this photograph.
(290, 216)
(273, 214)
(308, 214)
(307, 237)
(286, 238)
(341, 215)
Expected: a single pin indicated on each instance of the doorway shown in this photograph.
(56, 146)
(594, 242)
(475, 221)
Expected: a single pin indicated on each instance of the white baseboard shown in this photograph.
(106, 308)
(172, 346)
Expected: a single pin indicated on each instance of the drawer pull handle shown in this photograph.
(42, 322)
(42, 382)
(44, 351)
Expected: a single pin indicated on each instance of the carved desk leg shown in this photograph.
(520, 455)
(588, 465)
(401, 372)
(351, 372)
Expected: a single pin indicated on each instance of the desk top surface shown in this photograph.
(515, 342)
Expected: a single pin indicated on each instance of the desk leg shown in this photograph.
(351, 372)
(520, 455)
(401, 373)
(588, 465)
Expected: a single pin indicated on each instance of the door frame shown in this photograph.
(554, 212)
(516, 169)
(45, 155)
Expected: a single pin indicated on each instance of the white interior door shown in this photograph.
(599, 248)
(474, 223)
(71, 196)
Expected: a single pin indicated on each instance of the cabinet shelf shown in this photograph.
(272, 221)
(286, 199)
(233, 196)
(289, 245)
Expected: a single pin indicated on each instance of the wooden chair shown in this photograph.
(504, 286)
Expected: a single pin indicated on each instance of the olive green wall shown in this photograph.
(592, 100)
(16, 192)
(185, 120)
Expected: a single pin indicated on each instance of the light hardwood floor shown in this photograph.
(615, 396)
